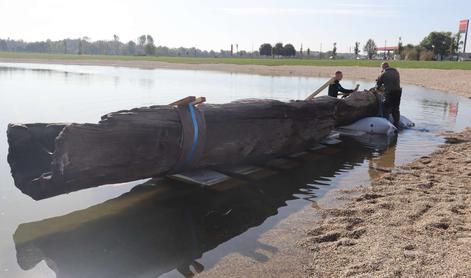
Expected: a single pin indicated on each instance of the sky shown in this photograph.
(212, 24)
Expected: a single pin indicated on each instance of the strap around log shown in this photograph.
(193, 135)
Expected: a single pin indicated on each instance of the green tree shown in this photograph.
(116, 46)
(308, 52)
(334, 51)
(131, 48)
(150, 47)
(85, 44)
(455, 43)
(438, 42)
(141, 40)
(265, 49)
(400, 48)
(356, 50)
(278, 49)
(3, 45)
(80, 50)
(288, 50)
(426, 55)
(370, 48)
(410, 52)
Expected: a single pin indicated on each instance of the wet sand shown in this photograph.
(412, 222)
(453, 81)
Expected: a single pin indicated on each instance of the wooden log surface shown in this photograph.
(320, 89)
(147, 142)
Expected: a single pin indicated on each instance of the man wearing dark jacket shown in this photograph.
(335, 88)
(389, 81)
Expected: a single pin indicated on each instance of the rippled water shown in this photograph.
(166, 227)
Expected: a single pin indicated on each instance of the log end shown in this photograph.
(30, 155)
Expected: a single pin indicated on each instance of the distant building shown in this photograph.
(386, 51)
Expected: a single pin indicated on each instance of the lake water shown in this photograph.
(164, 227)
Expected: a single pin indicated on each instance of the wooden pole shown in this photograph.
(321, 88)
(183, 101)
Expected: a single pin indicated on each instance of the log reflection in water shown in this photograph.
(163, 225)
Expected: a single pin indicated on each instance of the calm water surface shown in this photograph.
(161, 227)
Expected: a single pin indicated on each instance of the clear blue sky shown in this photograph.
(215, 24)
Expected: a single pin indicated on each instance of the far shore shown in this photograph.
(454, 81)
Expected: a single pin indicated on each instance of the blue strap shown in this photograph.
(195, 134)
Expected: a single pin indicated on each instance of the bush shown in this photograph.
(426, 55)
(411, 54)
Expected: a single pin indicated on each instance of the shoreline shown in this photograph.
(454, 81)
(414, 221)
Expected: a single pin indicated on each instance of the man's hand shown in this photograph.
(376, 90)
(356, 88)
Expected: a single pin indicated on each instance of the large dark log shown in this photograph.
(148, 142)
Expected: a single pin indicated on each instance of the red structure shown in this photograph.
(463, 29)
(464, 25)
(387, 48)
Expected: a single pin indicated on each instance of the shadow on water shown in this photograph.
(162, 225)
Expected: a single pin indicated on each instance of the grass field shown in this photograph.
(244, 61)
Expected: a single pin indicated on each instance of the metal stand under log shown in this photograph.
(214, 177)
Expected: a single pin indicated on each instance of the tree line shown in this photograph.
(278, 49)
(143, 46)
(435, 46)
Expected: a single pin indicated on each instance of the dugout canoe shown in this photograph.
(52, 159)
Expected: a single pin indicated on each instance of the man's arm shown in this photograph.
(345, 91)
(380, 81)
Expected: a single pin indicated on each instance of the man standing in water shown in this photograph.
(335, 87)
(389, 82)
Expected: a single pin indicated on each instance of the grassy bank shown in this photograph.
(243, 61)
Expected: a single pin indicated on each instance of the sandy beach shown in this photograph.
(413, 221)
(454, 81)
